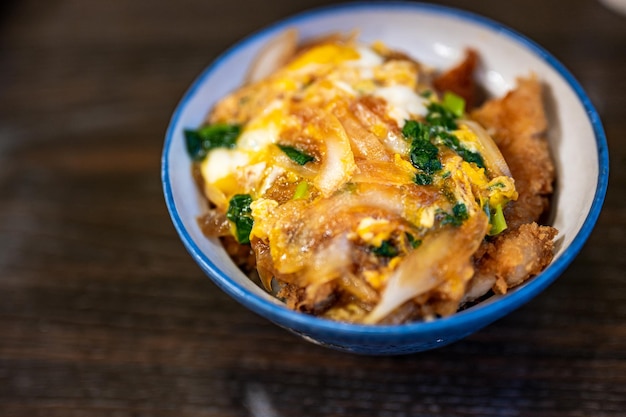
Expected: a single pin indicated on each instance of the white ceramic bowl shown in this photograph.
(437, 36)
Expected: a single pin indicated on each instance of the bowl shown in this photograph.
(436, 36)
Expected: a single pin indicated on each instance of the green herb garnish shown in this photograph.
(386, 249)
(458, 216)
(438, 115)
(453, 143)
(301, 190)
(412, 241)
(497, 221)
(415, 130)
(440, 121)
(426, 93)
(296, 155)
(201, 141)
(454, 103)
(240, 214)
(496, 185)
(423, 179)
(423, 154)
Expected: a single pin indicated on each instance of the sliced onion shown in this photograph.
(479, 285)
(338, 163)
(274, 55)
(214, 223)
(494, 161)
(358, 288)
(365, 144)
(299, 228)
(443, 256)
(329, 262)
(383, 172)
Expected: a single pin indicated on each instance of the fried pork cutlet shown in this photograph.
(518, 124)
(460, 80)
(511, 258)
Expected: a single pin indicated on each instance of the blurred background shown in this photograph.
(103, 313)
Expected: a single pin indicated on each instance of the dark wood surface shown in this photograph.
(103, 313)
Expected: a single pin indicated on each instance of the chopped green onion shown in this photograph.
(496, 185)
(452, 142)
(296, 155)
(301, 190)
(471, 157)
(412, 241)
(438, 115)
(460, 211)
(423, 179)
(201, 141)
(426, 93)
(498, 223)
(454, 103)
(458, 216)
(386, 249)
(415, 130)
(423, 154)
(240, 213)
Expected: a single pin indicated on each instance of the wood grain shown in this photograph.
(103, 313)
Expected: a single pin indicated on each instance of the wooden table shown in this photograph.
(103, 313)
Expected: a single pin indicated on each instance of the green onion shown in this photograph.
(438, 115)
(426, 93)
(423, 154)
(471, 157)
(301, 190)
(460, 211)
(458, 216)
(498, 223)
(423, 179)
(412, 241)
(240, 213)
(386, 249)
(296, 155)
(415, 130)
(496, 185)
(453, 143)
(454, 103)
(201, 141)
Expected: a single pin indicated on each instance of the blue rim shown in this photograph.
(486, 312)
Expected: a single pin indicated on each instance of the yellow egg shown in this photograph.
(374, 231)
(329, 54)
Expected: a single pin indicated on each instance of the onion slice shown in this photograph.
(444, 255)
(494, 161)
(297, 229)
(338, 163)
(274, 55)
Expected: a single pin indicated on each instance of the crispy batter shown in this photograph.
(313, 299)
(241, 254)
(290, 294)
(512, 258)
(517, 123)
(460, 80)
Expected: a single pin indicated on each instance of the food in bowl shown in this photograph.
(360, 185)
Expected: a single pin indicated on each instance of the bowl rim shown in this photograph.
(484, 312)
